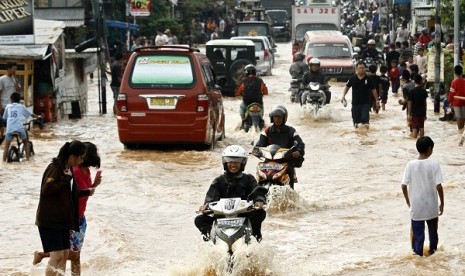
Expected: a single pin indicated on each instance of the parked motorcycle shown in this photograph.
(253, 118)
(315, 96)
(228, 227)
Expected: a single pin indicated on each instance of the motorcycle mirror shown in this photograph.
(259, 190)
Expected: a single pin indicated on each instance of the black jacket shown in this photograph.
(285, 138)
(228, 186)
(298, 69)
(314, 77)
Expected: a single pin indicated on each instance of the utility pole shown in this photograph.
(437, 60)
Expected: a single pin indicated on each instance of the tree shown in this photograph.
(447, 13)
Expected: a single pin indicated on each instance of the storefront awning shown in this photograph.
(72, 17)
(46, 32)
(119, 24)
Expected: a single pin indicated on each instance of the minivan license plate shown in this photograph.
(162, 101)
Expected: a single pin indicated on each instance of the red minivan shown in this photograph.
(168, 95)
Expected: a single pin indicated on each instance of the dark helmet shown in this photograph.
(299, 56)
(278, 110)
(250, 70)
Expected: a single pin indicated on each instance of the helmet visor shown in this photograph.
(227, 159)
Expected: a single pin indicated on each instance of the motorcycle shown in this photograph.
(295, 89)
(253, 118)
(229, 227)
(274, 167)
(315, 96)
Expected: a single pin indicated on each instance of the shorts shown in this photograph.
(459, 112)
(54, 239)
(76, 239)
(418, 122)
(21, 133)
(384, 96)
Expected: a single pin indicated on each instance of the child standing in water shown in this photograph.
(421, 186)
(394, 76)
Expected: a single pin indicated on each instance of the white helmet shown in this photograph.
(314, 61)
(371, 42)
(234, 153)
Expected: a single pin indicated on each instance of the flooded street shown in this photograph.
(350, 216)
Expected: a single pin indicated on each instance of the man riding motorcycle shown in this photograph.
(233, 183)
(315, 75)
(371, 51)
(252, 89)
(285, 136)
(299, 67)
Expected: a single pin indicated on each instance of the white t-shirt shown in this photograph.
(15, 114)
(422, 62)
(422, 177)
(7, 87)
(402, 35)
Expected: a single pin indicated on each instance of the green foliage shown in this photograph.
(447, 12)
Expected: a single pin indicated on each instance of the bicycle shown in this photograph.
(18, 151)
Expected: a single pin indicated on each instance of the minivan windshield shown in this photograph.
(301, 29)
(328, 50)
(252, 30)
(278, 16)
(162, 71)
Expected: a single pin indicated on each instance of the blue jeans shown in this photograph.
(418, 235)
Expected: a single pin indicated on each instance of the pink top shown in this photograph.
(84, 181)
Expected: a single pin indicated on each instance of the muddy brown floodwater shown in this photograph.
(346, 217)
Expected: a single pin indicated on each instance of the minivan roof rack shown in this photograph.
(177, 46)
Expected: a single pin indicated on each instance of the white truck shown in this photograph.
(313, 18)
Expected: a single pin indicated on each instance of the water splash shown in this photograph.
(254, 259)
(283, 199)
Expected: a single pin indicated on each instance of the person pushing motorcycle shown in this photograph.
(252, 89)
(315, 75)
(286, 137)
(233, 183)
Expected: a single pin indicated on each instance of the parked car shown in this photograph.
(334, 51)
(228, 58)
(263, 53)
(168, 95)
(253, 28)
(280, 24)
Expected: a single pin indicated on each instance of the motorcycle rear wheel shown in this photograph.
(13, 154)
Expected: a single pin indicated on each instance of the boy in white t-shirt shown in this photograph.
(14, 115)
(423, 179)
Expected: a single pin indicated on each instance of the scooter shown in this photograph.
(274, 166)
(315, 96)
(230, 228)
(253, 118)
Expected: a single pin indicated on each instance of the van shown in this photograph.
(168, 95)
(334, 50)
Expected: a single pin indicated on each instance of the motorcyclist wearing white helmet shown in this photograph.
(252, 89)
(285, 136)
(370, 50)
(315, 75)
(299, 67)
(233, 183)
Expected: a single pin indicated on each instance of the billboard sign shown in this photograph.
(16, 22)
(140, 7)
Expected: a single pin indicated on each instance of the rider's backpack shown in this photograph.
(252, 91)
